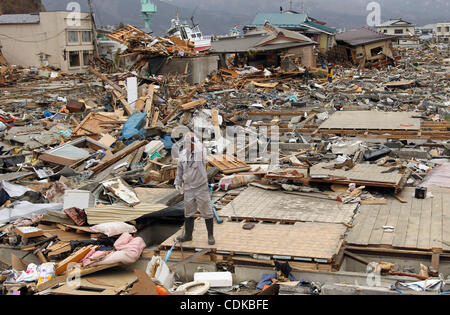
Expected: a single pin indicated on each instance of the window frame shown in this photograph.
(82, 36)
(70, 61)
(69, 42)
(89, 54)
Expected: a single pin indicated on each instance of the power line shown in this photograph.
(33, 41)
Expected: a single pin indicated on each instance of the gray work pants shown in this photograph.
(198, 199)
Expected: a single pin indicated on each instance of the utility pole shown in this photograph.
(94, 27)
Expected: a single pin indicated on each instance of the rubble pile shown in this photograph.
(83, 170)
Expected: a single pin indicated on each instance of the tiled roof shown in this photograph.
(362, 36)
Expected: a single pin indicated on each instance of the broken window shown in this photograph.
(439, 29)
(73, 37)
(74, 59)
(86, 36)
(447, 29)
(398, 31)
(375, 51)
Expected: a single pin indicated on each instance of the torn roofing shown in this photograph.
(362, 36)
(262, 39)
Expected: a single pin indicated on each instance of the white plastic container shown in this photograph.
(80, 199)
(216, 279)
(158, 270)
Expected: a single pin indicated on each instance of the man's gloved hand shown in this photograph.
(179, 189)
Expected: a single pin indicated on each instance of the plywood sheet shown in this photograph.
(302, 240)
(115, 213)
(419, 224)
(359, 173)
(257, 203)
(371, 120)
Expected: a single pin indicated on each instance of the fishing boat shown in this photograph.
(184, 31)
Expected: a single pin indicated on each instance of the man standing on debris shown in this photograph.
(192, 181)
(330, 73)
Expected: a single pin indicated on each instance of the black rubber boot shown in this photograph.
(188, 229)
(210, 228)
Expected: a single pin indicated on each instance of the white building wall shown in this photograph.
(442, 32)
(23, 44)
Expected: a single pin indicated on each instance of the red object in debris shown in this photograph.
(77, 215)
(339, 199)
(161, 290)
(75, 107)
(266, 287)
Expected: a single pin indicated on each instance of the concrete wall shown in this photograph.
(442, 32)
(23, 44)
(307, 54)
(198, 67)
(365, 51)
(391, 30)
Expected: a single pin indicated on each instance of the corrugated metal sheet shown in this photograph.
(20, 19)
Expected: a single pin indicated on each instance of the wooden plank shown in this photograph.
(155, 118)
(170, 115)
(424, 237)
(445, 220)
(366, 232)
(61, 267)
(374, 202)
(303, 239)
(377, 230)
(125, 104)
(149, 103)
(215, 121)
(193, 104)
(144, 286)
(437, 222)
(396, 196)
(402, 225)
(119, 155)
(358, 226)
(394, 213)
(412, 233)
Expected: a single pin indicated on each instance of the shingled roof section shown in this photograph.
(362, 36)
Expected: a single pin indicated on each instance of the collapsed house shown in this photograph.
(363, 46)
(299, 22)
(266, 46)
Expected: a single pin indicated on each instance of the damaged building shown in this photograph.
(317, 30)
(50, 39)
(315, 183)
(364, 46)
(267, 46)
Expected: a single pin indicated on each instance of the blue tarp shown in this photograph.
(134, 126)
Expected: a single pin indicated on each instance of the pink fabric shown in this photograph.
(90, 258)
(129, 249)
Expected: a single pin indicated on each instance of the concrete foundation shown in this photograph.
(197, 68)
